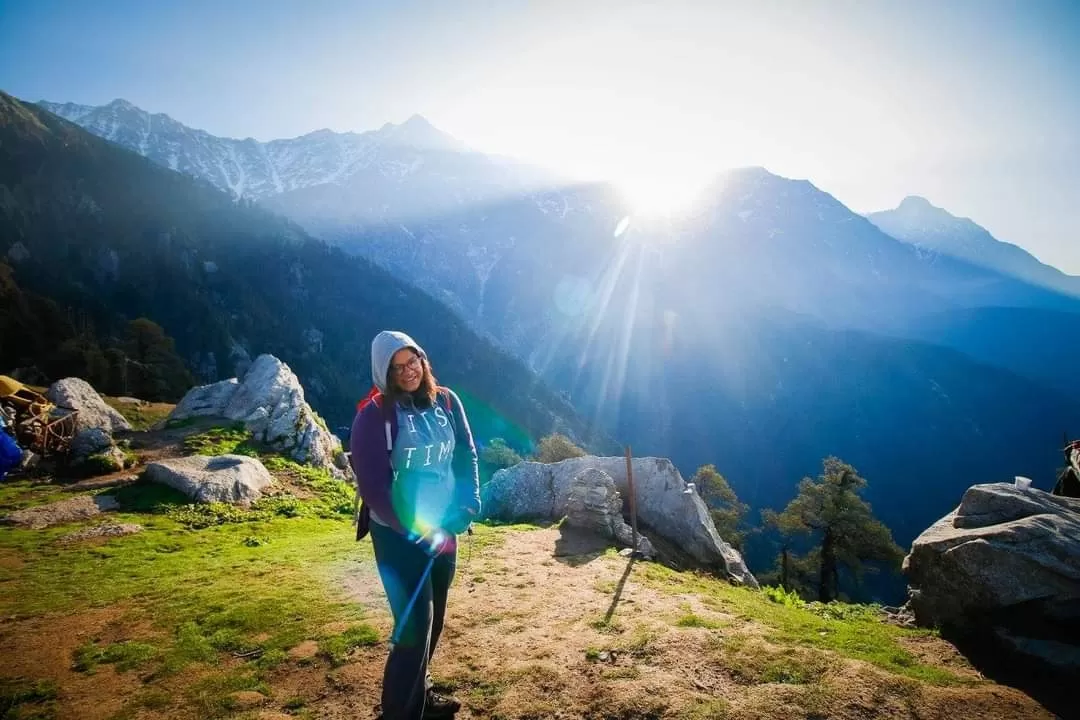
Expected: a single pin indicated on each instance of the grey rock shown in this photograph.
(270, 402)
(81, 507)
(670, 507)
(596, 505)
(90, 441)
(235, 479)
(77, 394)
(205, 400)
(1007, 559)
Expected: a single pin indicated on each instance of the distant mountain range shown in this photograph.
(766, 328)
(100, 236)
(935, 230)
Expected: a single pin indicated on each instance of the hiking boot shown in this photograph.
(440, 706)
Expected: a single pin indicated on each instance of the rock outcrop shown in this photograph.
(596, 505)
(77, 394)
(269, 400)
(1005, 562)
(670, 507)
(235, 479)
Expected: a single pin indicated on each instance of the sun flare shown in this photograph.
(663, 192)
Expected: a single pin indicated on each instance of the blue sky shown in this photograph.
(971, 103)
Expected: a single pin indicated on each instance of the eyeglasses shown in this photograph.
(412, 364)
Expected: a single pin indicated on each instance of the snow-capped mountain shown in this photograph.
(260, 170)
(930, 228)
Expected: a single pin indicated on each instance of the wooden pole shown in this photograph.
(633, 499)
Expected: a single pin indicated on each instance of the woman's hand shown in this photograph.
(437, 542)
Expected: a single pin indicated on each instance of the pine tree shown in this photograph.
(842, 524)
(724, 506)
(556, 447)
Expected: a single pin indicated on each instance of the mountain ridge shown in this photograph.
(930, 228)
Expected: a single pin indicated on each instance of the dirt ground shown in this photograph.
(543, 626)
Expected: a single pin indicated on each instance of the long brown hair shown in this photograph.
(423, 396)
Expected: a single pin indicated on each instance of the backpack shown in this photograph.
(362, 511)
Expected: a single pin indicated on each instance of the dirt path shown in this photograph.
(534, 632)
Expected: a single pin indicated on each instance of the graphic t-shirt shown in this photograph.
(423, 488)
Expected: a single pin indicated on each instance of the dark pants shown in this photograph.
(401, 565)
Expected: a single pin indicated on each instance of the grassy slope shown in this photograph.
(206, 603)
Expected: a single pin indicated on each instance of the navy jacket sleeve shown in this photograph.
(465, 466)
(371, 464)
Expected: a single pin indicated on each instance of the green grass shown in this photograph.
(692, 620)
(23, 699)
(210, 591)
(753, 662)
(706, 709)
(222, 441)
(17, 493)
(125, 656)
(338, 647)
(211, 696)
(855, 632)
(141, 417)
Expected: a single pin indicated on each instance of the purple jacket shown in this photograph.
(371, 461)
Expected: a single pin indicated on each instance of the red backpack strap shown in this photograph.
(442, 390)
(375, 396)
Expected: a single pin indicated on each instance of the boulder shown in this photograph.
(77, 394)
(269, 400)
(671, 508)
(90, 441)
(205, 400)
(235, 479)
(94, 453)
(1005, 562)
(595, 505)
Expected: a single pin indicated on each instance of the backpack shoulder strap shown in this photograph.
(445, 393)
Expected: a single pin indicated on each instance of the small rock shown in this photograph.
(82, 507)
(90, 441)
(97, 531)
(111, 460)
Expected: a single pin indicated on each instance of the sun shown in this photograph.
(662, 191)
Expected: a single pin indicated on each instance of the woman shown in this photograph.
(415, 464)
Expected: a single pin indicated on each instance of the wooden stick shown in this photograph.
(633, 498)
